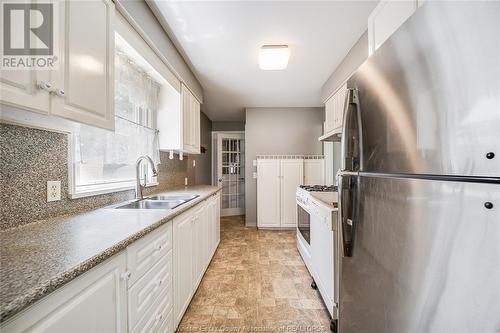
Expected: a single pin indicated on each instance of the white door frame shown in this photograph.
(216, 162)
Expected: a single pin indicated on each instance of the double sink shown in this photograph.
(170, 201)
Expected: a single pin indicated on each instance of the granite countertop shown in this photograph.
(40, 257)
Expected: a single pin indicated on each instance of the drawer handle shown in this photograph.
(158, 318)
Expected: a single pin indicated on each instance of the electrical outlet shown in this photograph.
(254, 175)
(53, 190)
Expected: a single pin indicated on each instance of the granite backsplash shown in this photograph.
(30, 157)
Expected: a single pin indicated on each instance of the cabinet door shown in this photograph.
(84, 80)
(20, 88)
(186, 119)
(195, 124)
(198, 247)
(329, 114)
(183, 264)
(385, 19)
(291, 177)
(268, 193)
(93, 302)
(339, 106)
(314, 173)
(217, 220)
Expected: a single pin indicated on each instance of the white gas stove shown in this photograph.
(316, 236)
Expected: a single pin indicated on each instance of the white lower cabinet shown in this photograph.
(144, 288)
(183, 264)
(277, 182)
(196, 237)
(314, 172)
(94, 302)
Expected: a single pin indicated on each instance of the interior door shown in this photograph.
(292, 174)
(231, 172)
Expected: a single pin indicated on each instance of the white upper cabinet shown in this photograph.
(179, 121)
(24, 88)
(191, 121)
(80, 87)
(83, 84)
(334, 113)
(386, 18)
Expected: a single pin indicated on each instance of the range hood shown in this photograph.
(334, 135)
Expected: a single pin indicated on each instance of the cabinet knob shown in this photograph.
(45, 85)
(488, 205)
(60, 92)
(490, 155)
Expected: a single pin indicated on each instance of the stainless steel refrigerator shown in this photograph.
(420, 181)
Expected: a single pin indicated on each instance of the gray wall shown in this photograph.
(144, 17)
(203, 168)
(277, 131)
(354, 58)
(228, 126)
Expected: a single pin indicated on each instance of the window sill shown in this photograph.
(103, 189)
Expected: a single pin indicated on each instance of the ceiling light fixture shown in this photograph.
(273, 57)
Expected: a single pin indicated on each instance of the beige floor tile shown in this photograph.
(256, 282)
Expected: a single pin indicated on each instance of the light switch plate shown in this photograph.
(254, 175)
(53, 190)
(194, 163)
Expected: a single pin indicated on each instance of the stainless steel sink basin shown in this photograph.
(169, 197)
(152, 204)
(159, 202)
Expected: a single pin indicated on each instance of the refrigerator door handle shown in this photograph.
(351, 147)
(351, 164)
(347, 209)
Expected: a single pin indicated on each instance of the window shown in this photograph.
(104, 161)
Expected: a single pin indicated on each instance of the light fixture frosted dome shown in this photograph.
(273, 57)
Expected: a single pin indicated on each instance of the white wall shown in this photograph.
(145, 19)
(277, 131)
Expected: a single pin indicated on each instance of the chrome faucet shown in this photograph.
(138, 186)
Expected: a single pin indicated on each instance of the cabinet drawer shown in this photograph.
(149, 288)
(159, 317)
(167, 326)
(144, 253)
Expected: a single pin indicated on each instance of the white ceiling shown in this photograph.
(221, 40)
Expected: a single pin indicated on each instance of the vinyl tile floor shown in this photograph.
(256, 282)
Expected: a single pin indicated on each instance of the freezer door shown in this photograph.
(430, 95)
(424, 257)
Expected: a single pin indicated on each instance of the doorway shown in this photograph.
(229, 166)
